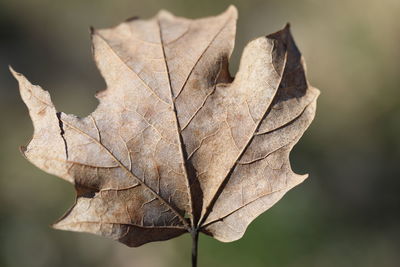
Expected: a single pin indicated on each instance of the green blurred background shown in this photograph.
(346, 214)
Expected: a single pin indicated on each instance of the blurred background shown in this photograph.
(346, 214)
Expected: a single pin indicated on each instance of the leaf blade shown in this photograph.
(176, 144)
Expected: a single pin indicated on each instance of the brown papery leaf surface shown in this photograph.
(176, 144)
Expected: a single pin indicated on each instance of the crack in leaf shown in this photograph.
(62, 132)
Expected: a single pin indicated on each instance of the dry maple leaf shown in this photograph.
(176, 144)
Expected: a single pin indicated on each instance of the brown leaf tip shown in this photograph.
(22, 149)
(91, 30)
(132, 18)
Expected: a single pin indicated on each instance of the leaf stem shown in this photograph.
(195, 241)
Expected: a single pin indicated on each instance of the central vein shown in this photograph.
(182, 149)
